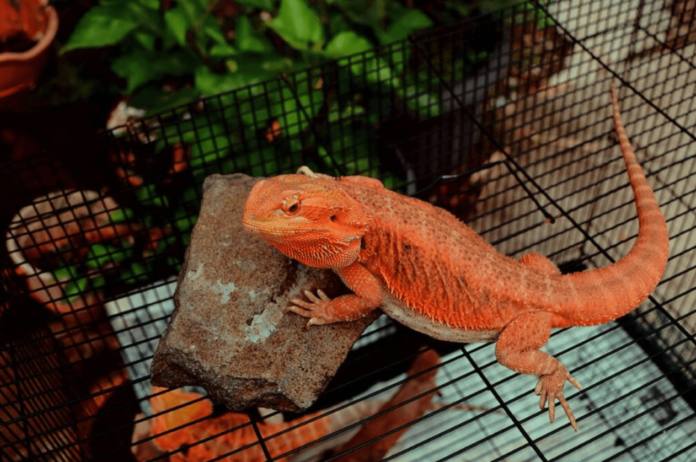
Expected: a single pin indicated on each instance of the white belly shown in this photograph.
(409, 318)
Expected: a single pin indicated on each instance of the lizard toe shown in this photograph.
(312, 298)
(298, 310)
(552, 408)
(573, 382)
(314, 322)
(542, 400)
(323, 296)
(568, 411)
(301, 303)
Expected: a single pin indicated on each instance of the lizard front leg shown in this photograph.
(518, 349)
(322, 310)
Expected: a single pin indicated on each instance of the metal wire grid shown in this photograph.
(561, 156)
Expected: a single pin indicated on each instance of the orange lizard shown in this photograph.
(434, 274)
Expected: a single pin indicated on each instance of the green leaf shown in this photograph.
(145, 39)
(174, 262)
(399, 58)
(75, 288)
(155, 100)
(266, 5)
(461, 9)
(151, 4)
(178, 23)
(167, 241)
(247, 39)
(139, 67)
(348, 113)
(347, 43)
(179, 63)
(298, 25)
(425, 104)
(373, 69)
(211, 28)
(147, 195)
(338, 24)
(210, 83)
(99, 282)
(295, 118)
(100, 254)
(191, 194)
(103, 25)
(222, 50)
(139, 271)
(183, 221)
(127, 276)
(409, 21)
(121, 215)
(363, 12)
(135, 68)
(194, 9)
(213, 144)
(66, 272)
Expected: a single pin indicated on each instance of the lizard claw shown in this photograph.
(317, 309)
(550, 388)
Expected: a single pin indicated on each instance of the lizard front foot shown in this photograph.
(550, 387)
(319, 309)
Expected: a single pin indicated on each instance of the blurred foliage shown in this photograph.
(171, 52)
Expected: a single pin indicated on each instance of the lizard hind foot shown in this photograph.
(550, 388)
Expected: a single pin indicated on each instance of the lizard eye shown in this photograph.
(291, 205)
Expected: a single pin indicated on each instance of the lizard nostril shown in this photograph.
(333, 217)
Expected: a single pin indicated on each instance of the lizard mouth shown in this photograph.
(259, 228)
(251, 226)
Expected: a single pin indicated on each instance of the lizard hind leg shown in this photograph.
(517, 348)
(540, 263)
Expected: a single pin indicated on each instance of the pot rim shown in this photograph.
(42, 44)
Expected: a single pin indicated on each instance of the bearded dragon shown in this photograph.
(431, 272)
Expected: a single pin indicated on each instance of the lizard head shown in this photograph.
(309, 219)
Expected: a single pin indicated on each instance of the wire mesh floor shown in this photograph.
(504, 120)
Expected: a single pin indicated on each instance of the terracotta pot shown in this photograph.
(39, 22)
(61, 223)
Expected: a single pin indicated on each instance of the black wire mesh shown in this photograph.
(504, 120)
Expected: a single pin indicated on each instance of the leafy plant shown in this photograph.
(212, 52)
(121, 261)
(197, 48)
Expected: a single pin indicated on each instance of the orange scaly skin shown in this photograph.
(434, 274)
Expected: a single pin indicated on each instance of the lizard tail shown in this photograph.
(605, 294)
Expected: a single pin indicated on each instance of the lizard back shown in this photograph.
(439, 268)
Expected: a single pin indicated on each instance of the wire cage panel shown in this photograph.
(504, 120)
